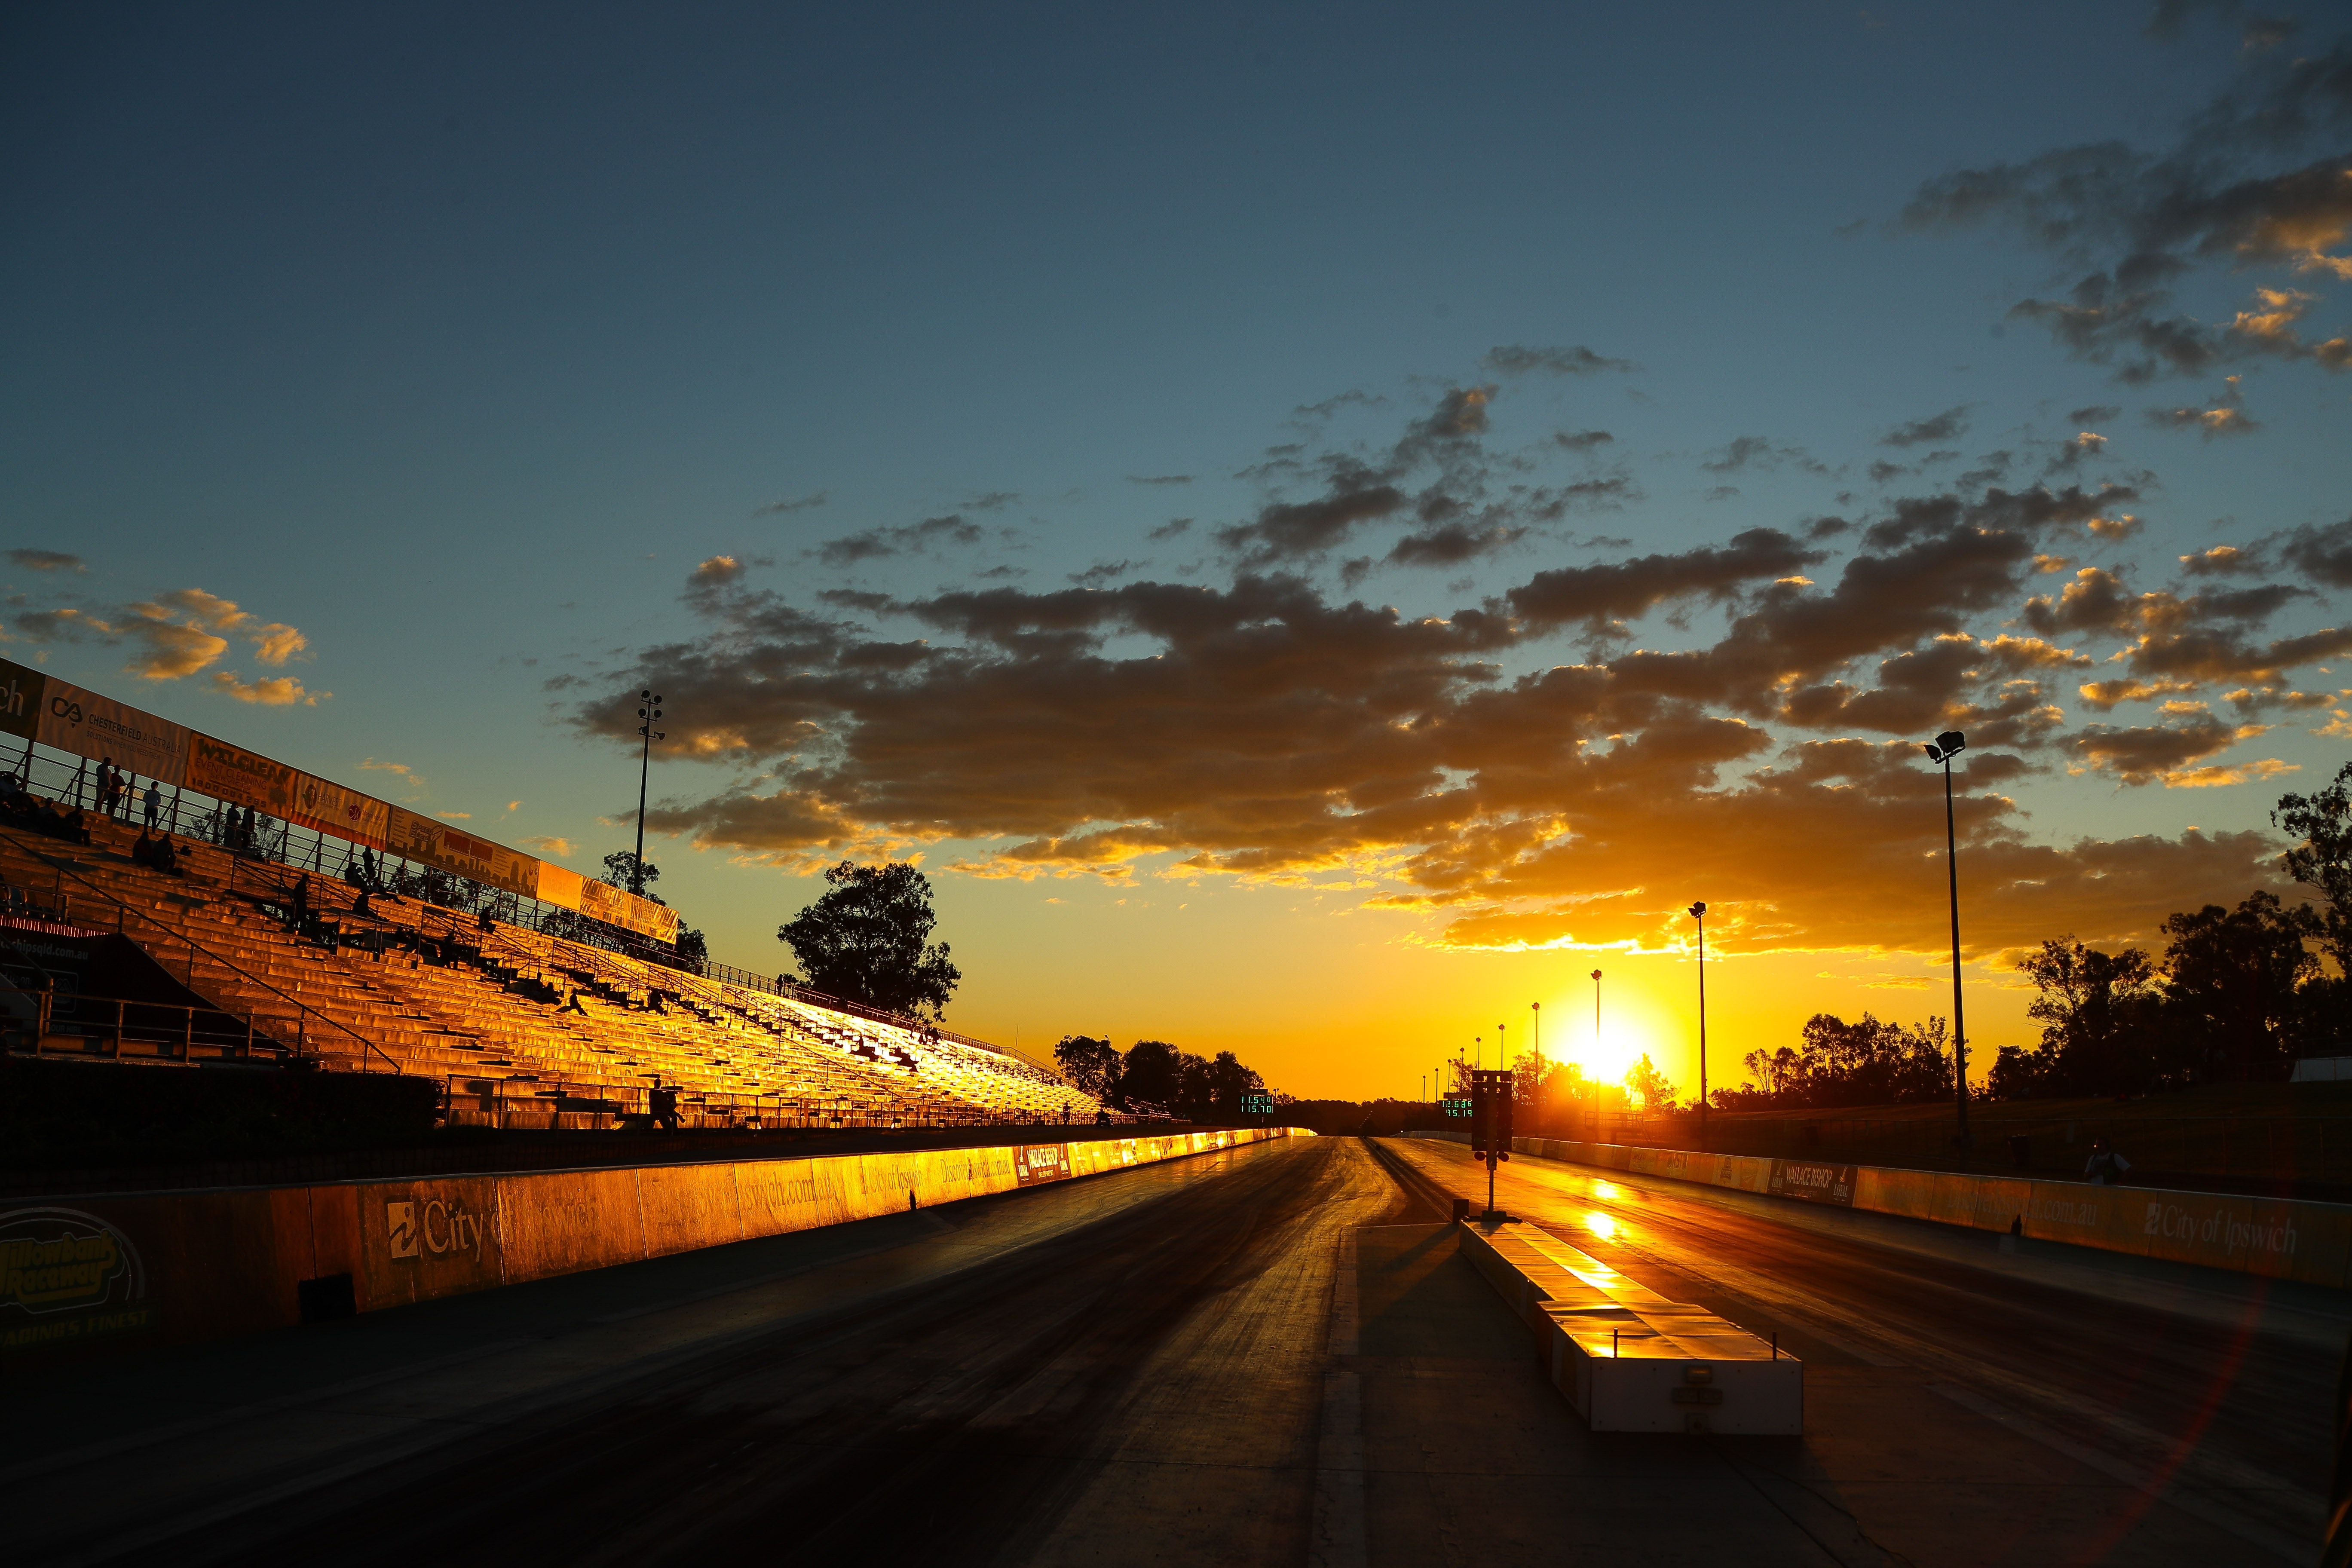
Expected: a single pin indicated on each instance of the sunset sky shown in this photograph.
(1319, 527)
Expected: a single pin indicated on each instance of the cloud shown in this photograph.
(910, 539)
(2323, 554)
(2222, 561)
(1582, 440)
(2239, 189)
(277, 691)
(1171, 529)
(1944, 426)
(1267, 726)
(560, 848)
(2095, 414)
(791, 504)
(1756, 452)
(454, 815)
(1160, 479)
(47, 560)
(1578, 360)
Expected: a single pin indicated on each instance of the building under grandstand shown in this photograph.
(267, 939)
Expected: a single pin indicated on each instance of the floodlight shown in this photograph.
(1697, 912)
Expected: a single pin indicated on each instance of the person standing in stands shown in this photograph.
(155, 803)
(663, 1102)
(2105, 1168)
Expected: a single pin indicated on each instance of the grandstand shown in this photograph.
(257, 961)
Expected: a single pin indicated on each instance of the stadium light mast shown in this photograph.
(1945, 747)
(1535, 1102)
(1698, 913)
(645, 717)
(1594, 1093)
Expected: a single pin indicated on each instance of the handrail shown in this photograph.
(301, 1007)
(50, 1023)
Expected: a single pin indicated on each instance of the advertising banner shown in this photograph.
(67, 1277)
(238, 776)
(618, 907)
(1037, 1162)
(20, 699)
(1814, 1183)
(346, 812)
(452, 849)
(87, 724)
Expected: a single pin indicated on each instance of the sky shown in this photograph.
(1317, 527)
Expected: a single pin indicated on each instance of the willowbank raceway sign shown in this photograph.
(67, 1277)
(37, 706)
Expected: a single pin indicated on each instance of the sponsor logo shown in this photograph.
(67, 1276)
(2219, 1228)
(434, 1228)
(1035, 1162)
(1813, 1183)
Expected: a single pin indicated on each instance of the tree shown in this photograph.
(1149, 1078)
(693, 951)
(1646, 1081)
(621, 864)
(863, 941)
(2093, 1010)
(1091, 1066)
(2230, 978)
(2323, 860)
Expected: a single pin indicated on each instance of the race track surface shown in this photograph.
(1268, 1355)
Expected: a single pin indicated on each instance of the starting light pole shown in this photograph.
(1490, 1126)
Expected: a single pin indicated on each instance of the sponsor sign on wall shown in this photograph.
(37, 706)
(452, 849)
(238, 776)
(20, 699)
(327, 808)
(619, 906)
(1037, 1162)
(1814, 1183)
(67, 1277)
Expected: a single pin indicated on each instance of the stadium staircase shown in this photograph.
(524, 1027)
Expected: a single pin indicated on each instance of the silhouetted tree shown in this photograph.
(1650, 1085)
(2322, 822)
(1090, 1065)
(2230, 978)
(863, 941)
(2096, 1014)
(619, 865)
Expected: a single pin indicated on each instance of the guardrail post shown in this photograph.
(119, 1006)
(188, 1036)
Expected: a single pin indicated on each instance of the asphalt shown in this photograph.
(1268, 1355)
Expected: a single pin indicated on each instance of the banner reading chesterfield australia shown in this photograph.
(89, 724)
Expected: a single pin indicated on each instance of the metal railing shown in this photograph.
(189, 813)
(537, 1100)
(302, 1011)
(171, 1028)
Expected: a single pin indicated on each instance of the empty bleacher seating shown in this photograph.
(525, 1027)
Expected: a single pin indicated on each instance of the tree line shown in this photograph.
(2237, 995)
(1155, 1079)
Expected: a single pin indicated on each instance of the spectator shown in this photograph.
(301, 902)
(110, 784)
(663, 1103)
(155, 803)
(167, 856)
(69, 826)
(2105, 1168)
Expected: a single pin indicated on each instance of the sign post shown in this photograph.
(1490, 1123)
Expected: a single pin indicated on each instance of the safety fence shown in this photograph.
(527, 1102)
(175, 1267)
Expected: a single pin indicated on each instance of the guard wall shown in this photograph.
(182, 1265)
(2281, 1237)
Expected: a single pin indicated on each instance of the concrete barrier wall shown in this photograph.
(178, 1266)
(2284, 1238)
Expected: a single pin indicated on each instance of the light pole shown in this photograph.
(645, 717)
(1698, 913)
(1535, 1023)
(1595, 1091)
(1947, 746)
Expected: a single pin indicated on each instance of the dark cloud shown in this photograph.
(1595, 596)
(1357, 492)
(2222, 561)
(2094, 414)
(46, 560)
(1270, 727)
(1883, 472)
(1171, 529)
(1102, 571)
(1582, 440)
(990, 500)
(1577, 360)
(911, 539)
(1160, 479)
(791, 504)
(1942, 427)
(2239, 189)
(1756, 452)
(2324, 555)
